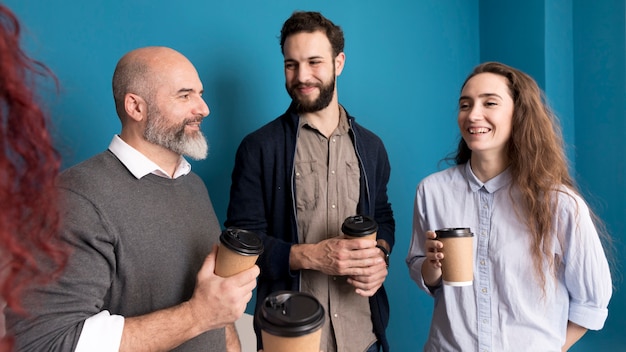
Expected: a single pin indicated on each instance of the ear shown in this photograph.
(135, 106)
(340, 60)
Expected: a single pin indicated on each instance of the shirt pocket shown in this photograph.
(307, 185)
(352, 181)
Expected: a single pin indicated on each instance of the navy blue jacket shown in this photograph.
(262, 200)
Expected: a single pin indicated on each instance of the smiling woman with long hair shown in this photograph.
(541, 275)
(29, 164)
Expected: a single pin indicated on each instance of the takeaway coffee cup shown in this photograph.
(458, 261)
(360, 226)
(290, 322)
(238, 251)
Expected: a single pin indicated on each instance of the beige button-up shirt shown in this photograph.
(327, 192)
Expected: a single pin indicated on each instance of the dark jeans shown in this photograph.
(375, 347)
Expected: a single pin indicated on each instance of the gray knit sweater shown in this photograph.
(137, 247)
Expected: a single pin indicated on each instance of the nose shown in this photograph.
(201, 108)
(303, 74)
(475, 112)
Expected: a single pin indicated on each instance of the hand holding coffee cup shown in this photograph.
(457, 265)
(238, 251)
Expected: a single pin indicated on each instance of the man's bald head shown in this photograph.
(139, 72)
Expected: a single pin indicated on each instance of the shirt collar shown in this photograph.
(342, 128)
(139, 165)
(491, 186)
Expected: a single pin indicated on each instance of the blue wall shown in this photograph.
(600, 106)
(405, 63)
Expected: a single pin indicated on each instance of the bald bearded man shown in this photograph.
(143, 231)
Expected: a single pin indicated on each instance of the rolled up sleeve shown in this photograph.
(587, 273)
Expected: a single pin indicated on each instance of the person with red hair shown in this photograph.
(29, 218)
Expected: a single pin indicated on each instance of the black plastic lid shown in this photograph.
(242, 241)
(359, 226)
(290, 314)
(454, 232)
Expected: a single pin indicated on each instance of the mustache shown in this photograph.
(192, 120)
(307, 85)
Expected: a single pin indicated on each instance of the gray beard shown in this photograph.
(174, 138)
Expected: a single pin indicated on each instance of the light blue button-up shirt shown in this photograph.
(506, 309)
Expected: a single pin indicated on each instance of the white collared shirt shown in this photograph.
(103, 331)
(139, 165)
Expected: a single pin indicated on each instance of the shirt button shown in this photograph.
(332, 172)
(333, 140)
(484, 321)
(335, 315)
(482, 262)
(334, 278)
(484, 290)
(297, 174)
(333, 206)
(484, 233)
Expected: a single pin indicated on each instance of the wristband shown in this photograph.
(385, 252)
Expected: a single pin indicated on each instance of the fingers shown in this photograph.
(367, 285)
(208, 266)
(218, 301)
(364, 266)
(247, 278)
(368, 293)
(358, 252)
(359, 243)
(344, 244)
(432, 245)
(433, 250)
(344, 257)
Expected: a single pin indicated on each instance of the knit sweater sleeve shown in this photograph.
(57, 312)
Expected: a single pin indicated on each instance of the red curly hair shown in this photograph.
(29, 218)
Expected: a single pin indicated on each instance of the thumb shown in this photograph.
(208, 267)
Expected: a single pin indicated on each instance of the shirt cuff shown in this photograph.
(415, 271)
(101, 333)
(591, 318)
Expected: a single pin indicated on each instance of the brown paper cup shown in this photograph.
(230, 263)
(305, 343)
(457, 266)
(290, 322)
(238, 251)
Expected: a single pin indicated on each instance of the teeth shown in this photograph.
(478, 130)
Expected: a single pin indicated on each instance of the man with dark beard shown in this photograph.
(142, 229)
(297, 178)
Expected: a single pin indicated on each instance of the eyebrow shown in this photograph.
(188, 90)
(483, 95)
(308, 58)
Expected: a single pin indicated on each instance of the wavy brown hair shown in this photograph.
(29, 217)
(308, 21)
(538, 163)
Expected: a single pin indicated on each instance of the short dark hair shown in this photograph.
(308, 21)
